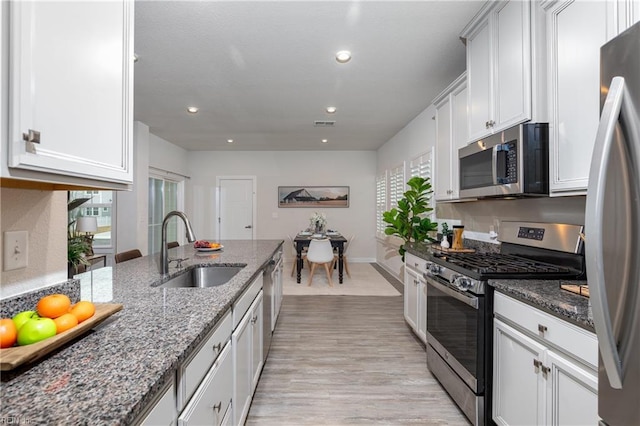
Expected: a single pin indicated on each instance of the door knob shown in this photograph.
(248, 227)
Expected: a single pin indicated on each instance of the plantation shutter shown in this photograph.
(396, 185)
(381, 202)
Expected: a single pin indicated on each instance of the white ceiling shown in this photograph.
(262, 72)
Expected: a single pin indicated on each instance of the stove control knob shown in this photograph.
(435, 269)
(463, 283)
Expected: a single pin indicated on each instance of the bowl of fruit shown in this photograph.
(29, 335)
(204, 245)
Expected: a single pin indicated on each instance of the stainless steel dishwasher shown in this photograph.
(270, 294)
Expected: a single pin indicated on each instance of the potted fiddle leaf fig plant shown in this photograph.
(410, 220)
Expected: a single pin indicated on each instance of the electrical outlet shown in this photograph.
(16, 250)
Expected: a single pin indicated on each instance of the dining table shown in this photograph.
(303, 239)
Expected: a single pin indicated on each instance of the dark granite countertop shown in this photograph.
(548, 296)
(110, 375)
(542, 294)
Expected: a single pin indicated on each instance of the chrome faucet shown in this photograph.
(164, 258)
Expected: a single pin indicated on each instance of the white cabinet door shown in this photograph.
(71, 80)
(411, 285)
(459, 133)
(241, 342)
(572, 393)
(443, 151)
(512, 73)
(518, 387)
(212, 400)
(499, 68)
(257, 358)
(575, 32)
(479, 80)
(164, 411)
(421, 329)
(451, 135)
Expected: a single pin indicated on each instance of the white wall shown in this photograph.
(355, 169)
(152, 155)
(414, 139)
(132, 206)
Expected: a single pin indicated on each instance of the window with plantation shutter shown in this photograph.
(421, 166)
(381, 202)
(396, 185)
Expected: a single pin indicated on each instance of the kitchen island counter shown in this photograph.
(113, 373)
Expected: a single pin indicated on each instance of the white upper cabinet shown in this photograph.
(575, 32)
(451, 135)
(70, 77)
(499, 67)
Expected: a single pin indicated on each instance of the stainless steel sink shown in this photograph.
(204, 276)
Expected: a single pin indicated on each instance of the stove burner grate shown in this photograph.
(496, 263)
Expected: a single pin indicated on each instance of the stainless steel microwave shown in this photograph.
(512, 163)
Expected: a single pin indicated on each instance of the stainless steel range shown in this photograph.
(460, 304)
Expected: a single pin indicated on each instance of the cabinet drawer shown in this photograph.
(195, 369)
(414, 262)
(575, 341)
(241, 306)
(212, 400)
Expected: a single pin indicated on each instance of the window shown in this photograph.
(101, 205)
(164, 196)
(396, 185)
(381, 202)
(421, 166)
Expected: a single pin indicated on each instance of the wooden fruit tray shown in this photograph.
(437, 247)
(13, 357)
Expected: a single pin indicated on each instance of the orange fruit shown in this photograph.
(65, 322)
(8, 333)
(53, 305)
(83, 310)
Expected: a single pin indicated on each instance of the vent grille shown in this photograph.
(319, 123)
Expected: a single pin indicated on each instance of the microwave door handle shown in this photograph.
(494, 164)
(594, 250)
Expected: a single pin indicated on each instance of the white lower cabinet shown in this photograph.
(538, 376)
(248, 359)
(164, 411)
(415, 296)
(211, 404)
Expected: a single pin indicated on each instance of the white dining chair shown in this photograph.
(320, 253)
(295, 254)
(344, 255)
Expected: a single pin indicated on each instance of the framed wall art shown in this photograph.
(313, 196)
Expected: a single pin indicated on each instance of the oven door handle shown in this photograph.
(468, 300)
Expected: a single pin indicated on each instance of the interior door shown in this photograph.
(236, 218)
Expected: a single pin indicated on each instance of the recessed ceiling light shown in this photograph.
(325, 140)
(192, 110)
(331, 109)
(343, 56)
(229, 140)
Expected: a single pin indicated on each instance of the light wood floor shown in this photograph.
(344, 360)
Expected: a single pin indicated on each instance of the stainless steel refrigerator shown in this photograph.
(612, 227)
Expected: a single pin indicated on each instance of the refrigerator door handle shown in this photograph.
(594, 218)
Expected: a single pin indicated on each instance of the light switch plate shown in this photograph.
(16, 250)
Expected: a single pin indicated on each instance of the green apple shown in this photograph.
(35, 330)
(22, 317)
